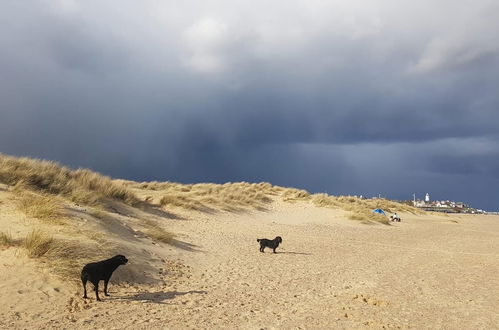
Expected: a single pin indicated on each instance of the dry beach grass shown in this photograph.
(6, 239)
(43, 207)
(80, 186)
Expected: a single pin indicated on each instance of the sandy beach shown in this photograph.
(426, 272)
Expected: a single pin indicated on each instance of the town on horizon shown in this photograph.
(446, 206)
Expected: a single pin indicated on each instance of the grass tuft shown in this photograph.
(367, 216)
(38, 243)
(156, 233)
(98, 214)
(6, 240)
(43, 207)
(64, 257)
(293, 195)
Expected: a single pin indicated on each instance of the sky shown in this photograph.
(387, 97)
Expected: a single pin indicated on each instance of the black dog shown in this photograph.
(102, 270)
(271, 243)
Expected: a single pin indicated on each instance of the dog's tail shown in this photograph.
(258, 240)
(84, 276)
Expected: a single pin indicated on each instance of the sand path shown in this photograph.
(423, 273)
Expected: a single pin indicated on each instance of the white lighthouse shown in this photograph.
(427, 198)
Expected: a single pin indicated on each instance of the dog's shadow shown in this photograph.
(185, 246)
(155, 297)
(291, 252)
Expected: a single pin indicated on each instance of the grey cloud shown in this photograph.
(487, 165)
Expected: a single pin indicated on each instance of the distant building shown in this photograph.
(444, 206)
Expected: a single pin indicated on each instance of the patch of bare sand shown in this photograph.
(427, 272)
(29, 294)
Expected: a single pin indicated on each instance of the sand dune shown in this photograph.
(425, 272)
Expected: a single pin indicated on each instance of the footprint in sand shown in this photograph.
(371, 300)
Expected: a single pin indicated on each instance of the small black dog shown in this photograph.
(271, 243)
(102, 270)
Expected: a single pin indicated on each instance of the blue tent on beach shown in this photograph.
(380, 211)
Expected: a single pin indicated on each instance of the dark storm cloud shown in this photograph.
(484, 165)
(343, 97)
